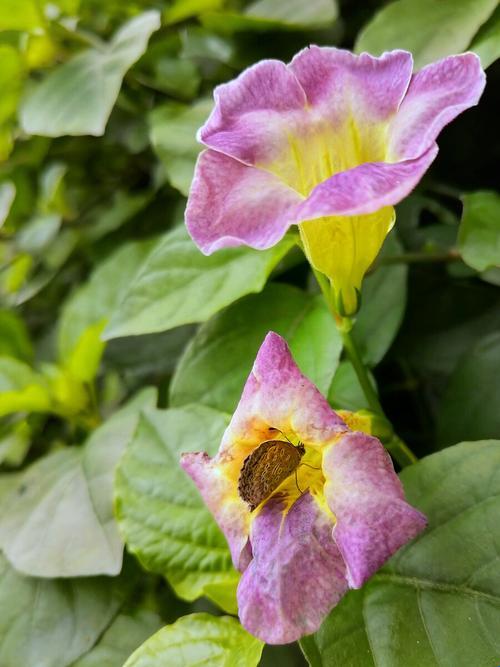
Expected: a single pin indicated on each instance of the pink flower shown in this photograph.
(330, 142)
(317, 534)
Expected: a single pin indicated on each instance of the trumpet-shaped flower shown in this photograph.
(325, 526)
(330, 142)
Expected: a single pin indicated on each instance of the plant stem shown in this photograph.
(396, 447)
(419, 258)
(361, 372)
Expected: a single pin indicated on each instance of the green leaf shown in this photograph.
(479, 234)
(7, 196)
(178, 285)
(178, 77)
(124, 635)
(15, 443)
(219, 358)
(383, 302)
(74, 488)
(21, 389)
(487, 41)
(20, 15)
(48, 623)
(77, 97)
(180, 10)
(469, 410)
(11, 80)
(437, 601)
(429, 29)
(160, 512)
(214, 641)
(83, 362)
(173, 128)
(14, 339)
(94, 301)
(275, 15)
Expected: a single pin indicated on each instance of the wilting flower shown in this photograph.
(327, 527)
(330, 142)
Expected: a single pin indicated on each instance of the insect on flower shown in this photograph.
(266, 467)
(300, 543)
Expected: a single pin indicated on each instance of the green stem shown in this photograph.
(396, 447)
(420, 258)
(361, 372)
(400, 451)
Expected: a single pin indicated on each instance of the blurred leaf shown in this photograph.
(96, 299)
(112, 215)
(219, 358)
(74, 488)
(11, 79)
(479, 235)
(274, 15)
(7, 196)
(180, 10)
(177, 76)
(21, 389)
(20, 15)
(487, 41)
(199, 43)
(48, 623)
(122, 637)
(437, 601)
(383, 302)
(178, 285)
(173, 135)
(429, 29)
(345, 392)
(84, 360)
(14, 339)
(214, 641)
(77, 97)
(160, 512)
(151, 355)
(14, 444)
(38, 233)
(469, 410)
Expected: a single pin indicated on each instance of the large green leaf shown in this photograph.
(479, 234)
(429, 29)
(219, 358)
(173, 128)
(77, 97)
(48, 623)
(437, 602)
(94, 301)
(383, 302)
(60, 520)
(160, 512)
(199, 639)
(469, 410)
(487, 41)
(178, 285)
(275, 15)
(124, 635)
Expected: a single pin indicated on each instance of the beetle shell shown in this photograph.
(265, 468)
